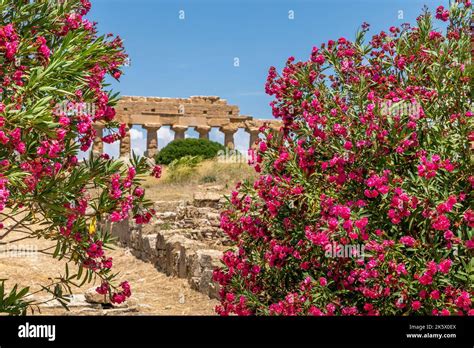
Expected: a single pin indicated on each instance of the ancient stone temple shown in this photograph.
(199, 112)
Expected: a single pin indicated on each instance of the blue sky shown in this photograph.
(176, 57)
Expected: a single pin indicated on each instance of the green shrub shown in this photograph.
(188, 147)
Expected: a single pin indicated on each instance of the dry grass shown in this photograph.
(221, 176)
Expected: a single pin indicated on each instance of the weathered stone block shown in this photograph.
(92, 296)
(168, 215)
(149, 247)
(206, 199)
(136, 240)
(121, 230)
(205, 281)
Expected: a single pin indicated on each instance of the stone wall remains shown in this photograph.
(184, 241)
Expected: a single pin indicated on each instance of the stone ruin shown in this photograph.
(199, 112)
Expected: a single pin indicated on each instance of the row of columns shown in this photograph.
(179, 133)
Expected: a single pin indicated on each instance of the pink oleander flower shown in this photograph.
(115, 216)
(416, 305)
(139, 192)
(442, 14)
(441, 223)
(95, 250)
(118, 298)
(103, 289)
(156, 172)
(444, 266)
(43, 49)
(435, 294)
(426, 279)
(407, 241)
(463, 301)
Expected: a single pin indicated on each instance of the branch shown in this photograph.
(13, 227)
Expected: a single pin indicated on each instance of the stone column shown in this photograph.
(229, 132)
(254, 132)
(151, 140)
(203, 131)
(125, 142)
(98, 145)
(179, 131)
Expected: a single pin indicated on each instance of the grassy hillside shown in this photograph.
(181, 182)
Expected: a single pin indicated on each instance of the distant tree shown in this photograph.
(188, 147)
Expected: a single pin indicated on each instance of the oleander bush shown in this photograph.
(364, 203)
(188, 147)
(52, 70)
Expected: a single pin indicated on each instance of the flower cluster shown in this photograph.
(120, 295)
(389, 193)
(4, 193)
(9, 41)
(156, 172)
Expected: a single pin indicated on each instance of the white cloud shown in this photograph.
(112, 149)
(138, 150)
(165, 135)
(216, 135)
(81, 155)
(241, 140)
(135, 134)
(138, 139)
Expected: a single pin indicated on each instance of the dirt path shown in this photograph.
(153, 293)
